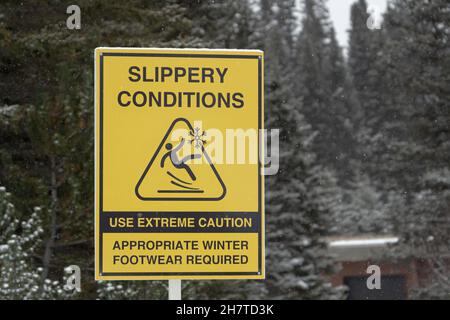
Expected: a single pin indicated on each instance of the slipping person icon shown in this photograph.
(177, 163)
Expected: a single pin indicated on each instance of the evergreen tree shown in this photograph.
(322, 83)
(366, 208)
(344, 108)
(419, 44)
(299, 197)
(363, 210)
(365, 49)
(18, 243)
(228, 24)
(369, 72)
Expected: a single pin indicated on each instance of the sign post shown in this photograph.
(175, 289)
(178, 185)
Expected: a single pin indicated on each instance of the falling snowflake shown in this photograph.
(197, 137)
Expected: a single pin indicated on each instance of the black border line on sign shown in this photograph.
(179, 55)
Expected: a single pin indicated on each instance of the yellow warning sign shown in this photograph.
(178, 183)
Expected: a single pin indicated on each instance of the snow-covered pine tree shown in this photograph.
(300, 196)
(19, 278)
(233, 22)
(321, 83)
(344, 108)
(372, 186)
(369, 70)
(419, 43)
(364, 60)
(363, 211)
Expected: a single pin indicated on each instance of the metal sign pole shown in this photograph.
(175, 289)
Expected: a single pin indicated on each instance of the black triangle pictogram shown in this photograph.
(163, 182)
